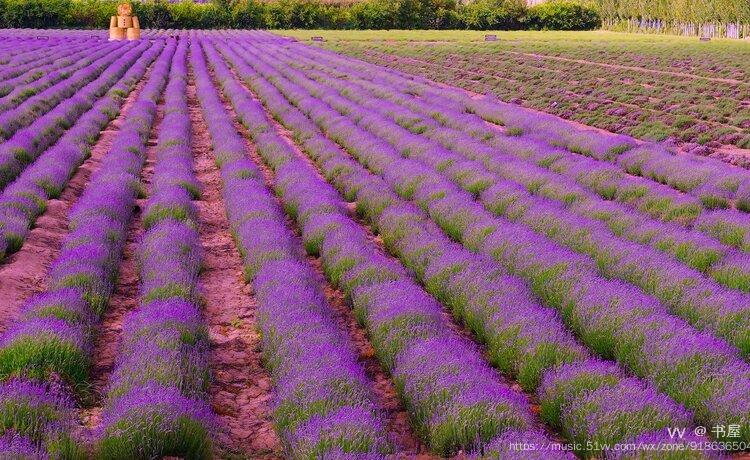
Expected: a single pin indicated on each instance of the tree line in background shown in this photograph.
(308, 14)
(687, 11)
(704, 18)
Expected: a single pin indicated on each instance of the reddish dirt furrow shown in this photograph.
(126, 293)
(241, 389)
(407, 443)
(23, 274)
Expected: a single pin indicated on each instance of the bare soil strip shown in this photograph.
(241, 389)
(126, 294)
(24, 273)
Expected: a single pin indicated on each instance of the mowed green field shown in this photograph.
(656, 87)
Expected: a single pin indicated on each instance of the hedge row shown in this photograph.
(305, 14)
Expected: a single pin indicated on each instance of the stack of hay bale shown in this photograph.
(124, 25)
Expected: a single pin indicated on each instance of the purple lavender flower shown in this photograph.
(63, 304)
(39, 347)
(12, 445)
(34, 411)
(158, 316)
(153, 420)
(340, 430)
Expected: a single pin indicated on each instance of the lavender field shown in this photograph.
(690, 93)
(232, 244)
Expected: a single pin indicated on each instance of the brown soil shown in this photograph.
(397, 419)
(241, 389)
(23, 274)
(126, 294)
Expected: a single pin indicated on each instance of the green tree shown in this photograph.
(563, 15)
(493, 14)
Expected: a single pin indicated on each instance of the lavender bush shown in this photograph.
(380, 305)
(481, 229)
(24, 199)
(322, 403)
(52, 340)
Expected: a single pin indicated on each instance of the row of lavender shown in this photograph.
(18, 52)
(156, 399)
(654, 356)
(42, 76)
(45, 356)
(42, 37)
(713, 182)
(378, 286)
(25, 80)
(687, 292)
(13, 118)
(323, 406)
(706, 179)
(606, 180)
(24, 199)
(22, 58)
(39, 121)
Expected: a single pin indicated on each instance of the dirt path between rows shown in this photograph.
(125, 297)
(24, 273)
(241, 389)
